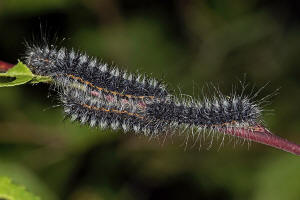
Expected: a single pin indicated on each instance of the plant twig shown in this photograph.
(264, 136)
(4, 66)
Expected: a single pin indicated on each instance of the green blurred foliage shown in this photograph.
(9, 190)
(186, 43)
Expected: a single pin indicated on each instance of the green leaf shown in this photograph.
(10, 191)
(19, 75)
(20, 72)
(41, 79)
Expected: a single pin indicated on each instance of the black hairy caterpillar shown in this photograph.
(49, 61)
(99, 95)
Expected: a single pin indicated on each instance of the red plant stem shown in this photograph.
(264, 136)
(4, 66)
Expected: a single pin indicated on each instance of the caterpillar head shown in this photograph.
(43, 60)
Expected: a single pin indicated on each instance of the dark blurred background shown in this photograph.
(188, 43)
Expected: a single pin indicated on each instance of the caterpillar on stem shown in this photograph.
(99, 95)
